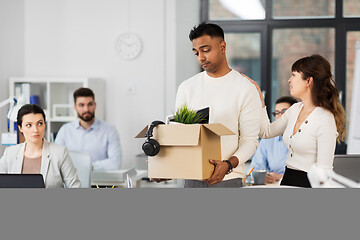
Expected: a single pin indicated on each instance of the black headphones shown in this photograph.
(151, 147)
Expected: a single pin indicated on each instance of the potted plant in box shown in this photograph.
(187, 115)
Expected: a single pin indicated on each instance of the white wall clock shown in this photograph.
(128, 45)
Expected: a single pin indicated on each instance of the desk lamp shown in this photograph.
(327, 178)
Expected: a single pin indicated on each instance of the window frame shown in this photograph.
(265, 27)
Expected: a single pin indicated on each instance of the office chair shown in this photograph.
(83, 164)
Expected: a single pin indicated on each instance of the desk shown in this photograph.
(270, 185)
(117, 177)
(267, 185)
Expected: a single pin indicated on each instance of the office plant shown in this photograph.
(187, 115)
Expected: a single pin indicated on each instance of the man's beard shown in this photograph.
(88, 118)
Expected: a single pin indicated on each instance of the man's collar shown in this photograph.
(94, 125)
(76, 123)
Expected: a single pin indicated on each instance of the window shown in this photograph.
(351, 39)
(243, 53)
(288, 30)
(351, 8)
(290, 9)
(236, 9)
(289, 45)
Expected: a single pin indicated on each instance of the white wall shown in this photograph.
(66, 38)
(354, 128)
(185, 14)
(11, 50)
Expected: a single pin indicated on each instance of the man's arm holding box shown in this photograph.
(221, 168)
(249, 126)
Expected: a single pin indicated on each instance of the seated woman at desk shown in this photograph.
(36, 155)
(310, 128)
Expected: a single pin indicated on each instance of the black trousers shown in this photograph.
(295, 178)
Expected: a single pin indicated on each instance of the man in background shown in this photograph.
(91, 135)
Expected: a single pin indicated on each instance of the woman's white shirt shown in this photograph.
(314, 142)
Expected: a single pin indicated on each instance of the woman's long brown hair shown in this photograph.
(323, 92)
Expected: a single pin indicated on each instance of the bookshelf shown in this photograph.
(56, 97)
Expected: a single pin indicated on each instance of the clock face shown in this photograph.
(128, 46)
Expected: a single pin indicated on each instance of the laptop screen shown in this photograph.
(21, 181)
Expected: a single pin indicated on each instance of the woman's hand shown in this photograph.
(257, 87)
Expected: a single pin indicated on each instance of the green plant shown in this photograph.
(187, 115)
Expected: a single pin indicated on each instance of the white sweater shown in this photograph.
(313, 143)
(234, 102)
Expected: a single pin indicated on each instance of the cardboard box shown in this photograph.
(185, 150)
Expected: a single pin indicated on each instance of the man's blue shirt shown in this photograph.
(270, 155)
(101, 141)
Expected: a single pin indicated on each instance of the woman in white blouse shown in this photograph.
(36, 155)
(310, 128)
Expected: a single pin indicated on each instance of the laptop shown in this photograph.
(21, 181)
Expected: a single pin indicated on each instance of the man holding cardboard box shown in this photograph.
(233, 103)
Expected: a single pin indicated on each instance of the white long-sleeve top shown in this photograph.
(234, 102)
(313, 143)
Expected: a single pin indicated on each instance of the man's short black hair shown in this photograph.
(209, 29)
(286, 99)
(83, 92)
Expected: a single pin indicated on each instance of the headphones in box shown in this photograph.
(151, 147)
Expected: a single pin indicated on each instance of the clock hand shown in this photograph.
(132, 43)
(127, 44)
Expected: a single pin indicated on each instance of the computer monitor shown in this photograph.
(21, 181)
(348, 166)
